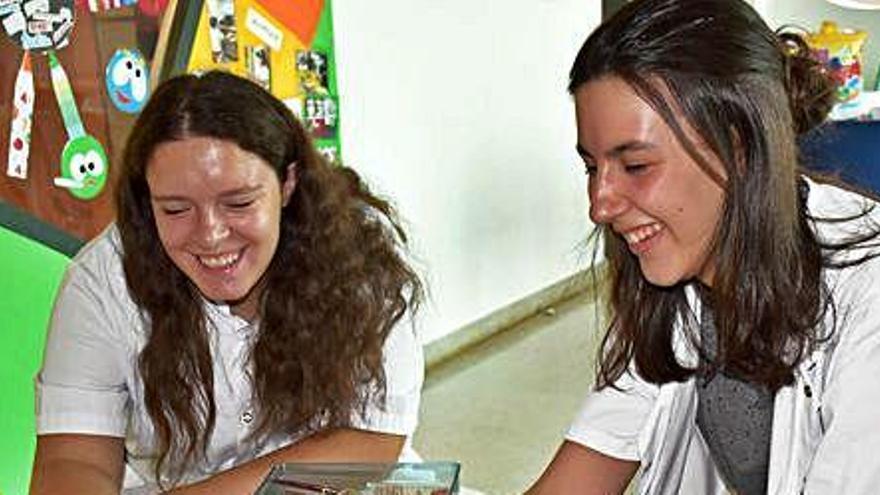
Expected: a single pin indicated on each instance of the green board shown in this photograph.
(30, 274)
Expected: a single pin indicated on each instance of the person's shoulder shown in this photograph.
(100, 260)
(95, 289)
(105, 245)
(828, 201)
(844, 217)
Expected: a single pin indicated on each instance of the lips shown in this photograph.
(122, 98)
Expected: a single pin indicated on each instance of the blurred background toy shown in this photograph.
(841, 51)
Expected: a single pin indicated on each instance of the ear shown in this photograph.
(289, 184)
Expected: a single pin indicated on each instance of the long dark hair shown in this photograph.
(748, 93)
(336, 285)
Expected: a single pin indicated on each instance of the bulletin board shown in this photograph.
(284, 45)
(48, 210)
(41, 117)
(53, 92)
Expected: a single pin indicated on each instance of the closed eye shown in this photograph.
(636, 168)
(240, 205)
(173, 211)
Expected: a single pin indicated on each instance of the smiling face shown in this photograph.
(645, 186)
(218, 213)
(127, 80)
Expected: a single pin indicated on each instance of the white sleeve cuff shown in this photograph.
(399, 416)
(61, 409)
(616, 446)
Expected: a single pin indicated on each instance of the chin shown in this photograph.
(661, 279)
(663, 283)
(226, 296)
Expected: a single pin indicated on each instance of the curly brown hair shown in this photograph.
(336, 285)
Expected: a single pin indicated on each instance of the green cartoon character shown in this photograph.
(83, 167)
(84, 164)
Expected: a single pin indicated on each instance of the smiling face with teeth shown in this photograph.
(644, 185)
(218, 211)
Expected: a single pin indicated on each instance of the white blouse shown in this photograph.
(825, 437)
(89, 383)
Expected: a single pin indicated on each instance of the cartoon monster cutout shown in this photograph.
(128, 80)
(83, 167)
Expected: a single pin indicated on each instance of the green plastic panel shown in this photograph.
(30, 274)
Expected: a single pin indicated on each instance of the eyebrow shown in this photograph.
(633, 145)
(240, 191)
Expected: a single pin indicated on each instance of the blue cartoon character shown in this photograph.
(128, 80)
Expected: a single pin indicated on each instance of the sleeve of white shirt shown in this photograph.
(404, 367)
(81, 387)
(610, 421)
(846, 459)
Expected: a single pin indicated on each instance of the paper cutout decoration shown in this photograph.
(127, 80)
(151, 8)
(300, 16)
(223, 31)
(263, 29)
(83, 167)
(256, 59)
(99, 5)
(22, 119)
(42, 26)
(37, 25)
(311, 67)
(84, 164)
(320, 116)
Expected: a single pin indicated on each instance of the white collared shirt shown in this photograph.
(826, 426)
(89, 383)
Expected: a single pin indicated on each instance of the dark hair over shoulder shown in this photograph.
(335, 287)
(715, 67)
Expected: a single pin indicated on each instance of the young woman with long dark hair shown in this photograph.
(743, 347)
(248, 307)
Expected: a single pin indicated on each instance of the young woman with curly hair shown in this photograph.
(248, 307)
(743, 350)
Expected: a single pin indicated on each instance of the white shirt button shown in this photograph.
(246, 417)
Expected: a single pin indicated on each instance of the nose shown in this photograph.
(212, 228)
(607, 200)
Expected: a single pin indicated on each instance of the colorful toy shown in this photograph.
(841, 51)
(128, 80)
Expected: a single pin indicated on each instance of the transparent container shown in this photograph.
(424, 478)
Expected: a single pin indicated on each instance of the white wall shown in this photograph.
(809, 14)
(457, 109)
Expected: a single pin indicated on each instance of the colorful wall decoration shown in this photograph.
(77, 74)
(64, 118)
(81, 70)
(284, 45)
